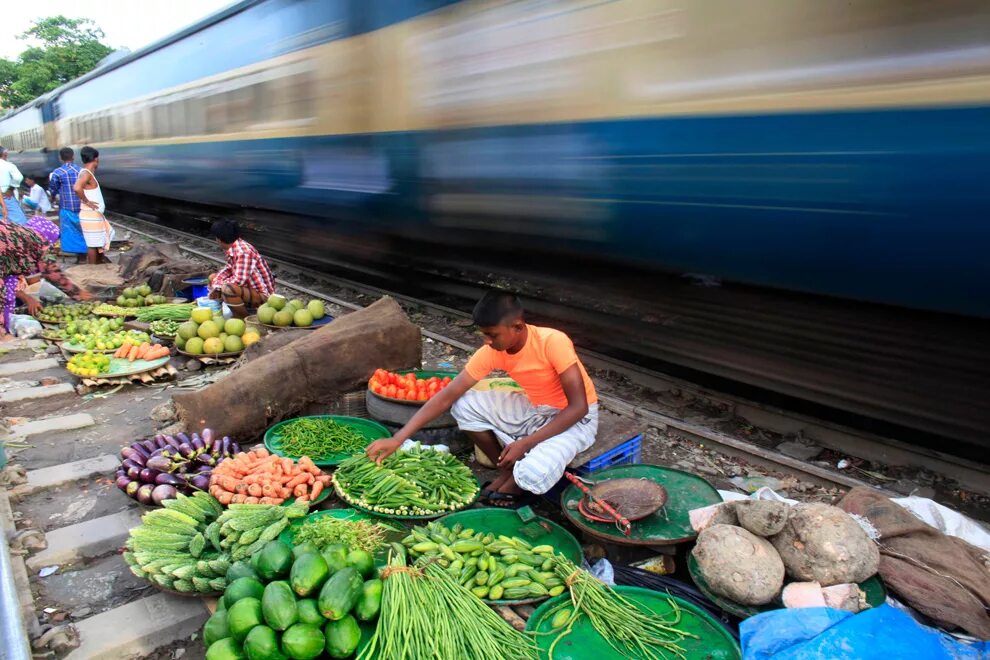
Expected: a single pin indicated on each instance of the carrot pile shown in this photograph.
(258, 477)
(145, 351)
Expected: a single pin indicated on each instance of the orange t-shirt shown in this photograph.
(537, 367)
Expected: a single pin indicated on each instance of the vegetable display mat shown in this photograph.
(671, 524)
(714, 642)
(876, 594)
(368, 429)
(431, 516)
(124, 367)
(506, 522)
(420, 375)
(381, 555)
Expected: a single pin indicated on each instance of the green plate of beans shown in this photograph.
(326, 439)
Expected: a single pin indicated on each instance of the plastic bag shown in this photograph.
(24, 326)
(881, 633)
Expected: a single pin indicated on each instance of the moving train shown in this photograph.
(840, 149)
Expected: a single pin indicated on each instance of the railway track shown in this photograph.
(341, 291)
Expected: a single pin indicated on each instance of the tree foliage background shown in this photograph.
(67, 48)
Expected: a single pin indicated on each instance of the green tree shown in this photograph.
(67, 48)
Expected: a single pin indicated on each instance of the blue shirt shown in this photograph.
(60, 183)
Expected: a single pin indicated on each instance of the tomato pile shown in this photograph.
(406, 386)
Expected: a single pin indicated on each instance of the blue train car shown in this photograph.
(839, 150)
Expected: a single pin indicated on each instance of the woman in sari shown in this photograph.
(27, 250)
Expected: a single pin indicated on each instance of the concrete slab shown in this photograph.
(57, 475)
(11, 368)
(72, 503)
(138, 628)
(99, 586)
(63, 423)
(42, 392)
(86, 539)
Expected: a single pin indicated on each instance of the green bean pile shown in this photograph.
(426, 614)
(415, 482)
(180, 312)
(164, 328)
(628, 630)
(318, 437)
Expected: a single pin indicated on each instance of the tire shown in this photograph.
(448, 435)
(397, 414)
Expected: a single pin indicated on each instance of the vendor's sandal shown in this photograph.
(509, 500)
(485, 491)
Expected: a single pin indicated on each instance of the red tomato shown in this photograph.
(423, 396)
(446, 380)
(390, 391)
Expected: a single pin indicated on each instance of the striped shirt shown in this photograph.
(247, 268)
(60, 184)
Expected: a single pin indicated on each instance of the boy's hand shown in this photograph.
(379, 450)
(512, 453)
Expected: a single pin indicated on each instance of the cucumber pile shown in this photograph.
(294, 602)
(414, 482)
(171, 549)
(493, 567)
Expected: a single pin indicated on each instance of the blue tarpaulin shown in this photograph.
(880, 633)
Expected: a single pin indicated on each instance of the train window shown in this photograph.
(216, 113)
(177, 114)
(195, 116)
(298, 91)
(160, 121)
(107, 128)
(240, 109)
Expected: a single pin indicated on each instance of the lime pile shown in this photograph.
(284, 313)
(65, 313)
(139, 296)
(89, 364)
(86, 326)
(108, 341)
(206, 333)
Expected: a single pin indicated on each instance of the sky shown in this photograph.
(127, 23)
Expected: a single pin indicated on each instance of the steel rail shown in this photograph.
(15, 644)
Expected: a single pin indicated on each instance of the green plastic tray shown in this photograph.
(671, 524)
(421, 374)
(876, 594)
(539, 531)
(714, 641)
(371, 431)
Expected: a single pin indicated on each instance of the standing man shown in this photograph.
(246, 281)
(60, 184)
(10, 181)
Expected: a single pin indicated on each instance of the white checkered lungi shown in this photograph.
(511, 416)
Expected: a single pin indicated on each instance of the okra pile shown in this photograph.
(415, 482)
(492, 567)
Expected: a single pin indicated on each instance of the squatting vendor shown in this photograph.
(530, 436)
(245, 281)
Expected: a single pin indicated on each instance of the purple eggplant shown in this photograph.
(160, 442)
(132, 489)
(149, 445)
(234, 448)
(144, 493)
(128, 463)
(197, 442)
(208, 437)
(163, 492)
(133, 452)
(160, 463)
(148, 475)
(168, 480)
(182, 437)
(206, 459)
(123, 482)
(200, 482)
(134, 472)
(186, 450)
(172, 442)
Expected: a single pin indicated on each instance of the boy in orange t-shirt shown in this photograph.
(532, 435)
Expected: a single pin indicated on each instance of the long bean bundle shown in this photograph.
(627, 629)
(180, 312)
(410, 482)
(318, 437)
(426, 614)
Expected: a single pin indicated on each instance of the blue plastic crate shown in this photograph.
(627, 453)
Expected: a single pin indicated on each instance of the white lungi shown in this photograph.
(511, 416)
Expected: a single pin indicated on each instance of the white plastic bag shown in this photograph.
(24, 326)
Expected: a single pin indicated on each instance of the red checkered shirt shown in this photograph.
(246, 268)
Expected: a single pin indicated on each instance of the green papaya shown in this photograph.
(303, 641)
(221, 604)
(225, 649)
(308, 574)
(240, 569)
(362, 561)
(304, 549)
(278, 605)
(340, 593)
(309, 611)
(370, 602)
(274, 561)
(342, 637)
(216, 628)
(242, 616)
(245, 587)
(262, 644)
(335, 556)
